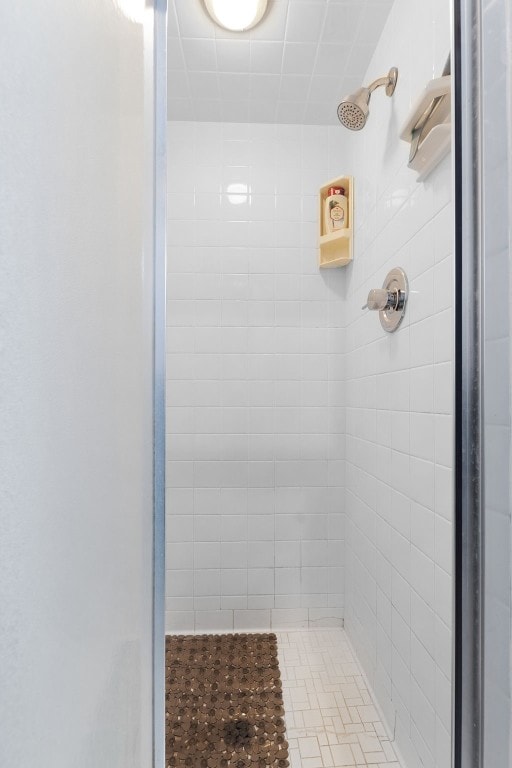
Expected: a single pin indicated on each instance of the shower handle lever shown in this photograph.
(381, 299)
(390, 300)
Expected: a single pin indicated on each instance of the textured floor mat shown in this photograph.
(224, 703)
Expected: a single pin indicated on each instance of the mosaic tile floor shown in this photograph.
(330, 718)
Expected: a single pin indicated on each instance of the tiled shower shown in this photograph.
(309, 453)
(256, 420)
(332, 587)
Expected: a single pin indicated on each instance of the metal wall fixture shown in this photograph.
(354, 109)
(390, 300)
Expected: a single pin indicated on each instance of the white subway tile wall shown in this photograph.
(398, 399)
(255, 393)
(289, 407)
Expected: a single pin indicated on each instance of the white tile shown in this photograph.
(233, 56)
(179, 583)
(287, 554)
(327, 62)
(179, 528)
(422, 481)
(309, 747)
(261, 527)
(252, 619)
(422, 529)
(234, 554)
(260, 602)
(325, 617)
(422, 435)
(199, 54)
(443, 388)
(266, 56)
(179, 621)
(206, 582)
(443, 596)
(203, 85)
(181, 555)
(444, 543)
(287, 581)
(207, 527)
(215, 621)
(233, 581)
(207, 603)
(286, 618)
(422, 576)
(305, 21)
(208, 554)
(340, 20)
(298, 58)
(261, 581)
(260, 554)
(292, 94)
(286, 344)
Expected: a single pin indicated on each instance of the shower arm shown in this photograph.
(389, 81)
(378, 83)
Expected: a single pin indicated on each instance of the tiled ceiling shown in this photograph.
(294, 67)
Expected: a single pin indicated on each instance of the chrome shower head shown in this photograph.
(353, 111)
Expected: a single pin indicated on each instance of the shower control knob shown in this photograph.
(390, 300)
(380, 298)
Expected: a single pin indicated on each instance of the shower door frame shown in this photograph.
(467, 731)
(473, 36)
(156, 117)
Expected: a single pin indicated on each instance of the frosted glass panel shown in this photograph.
(75, 390)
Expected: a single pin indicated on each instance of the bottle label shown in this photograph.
(336, 214)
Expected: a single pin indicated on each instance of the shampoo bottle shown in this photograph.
(336, 210)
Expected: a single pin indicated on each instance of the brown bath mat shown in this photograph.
(224, 703)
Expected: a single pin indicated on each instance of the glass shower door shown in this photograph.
(77, 468)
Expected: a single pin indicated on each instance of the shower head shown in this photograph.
(354, 109)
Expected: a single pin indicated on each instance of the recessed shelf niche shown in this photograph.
(336, 248)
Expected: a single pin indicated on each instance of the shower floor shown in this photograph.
(330, 717)
(331, 721)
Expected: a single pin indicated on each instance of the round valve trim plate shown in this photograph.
(395, 281)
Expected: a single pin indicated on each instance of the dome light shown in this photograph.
(236, 15)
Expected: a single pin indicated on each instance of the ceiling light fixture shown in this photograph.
(236, 15)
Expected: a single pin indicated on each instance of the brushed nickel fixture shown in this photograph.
(390, 300)
(354, 109)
